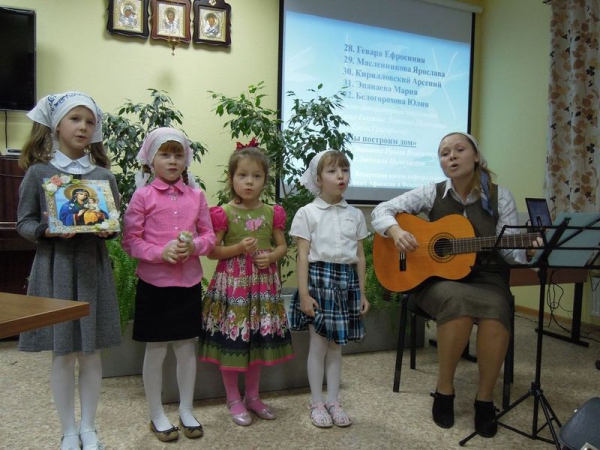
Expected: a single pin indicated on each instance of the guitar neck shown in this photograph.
(512, 241)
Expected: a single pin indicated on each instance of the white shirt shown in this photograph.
(79, 166)
(421, 199)
(333, 230)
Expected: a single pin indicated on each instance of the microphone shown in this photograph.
(402, 262)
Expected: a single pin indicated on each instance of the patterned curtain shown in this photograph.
(573, 160)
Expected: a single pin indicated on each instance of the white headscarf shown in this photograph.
(309, 177)
(51, 109)
(485, 190)
(482, 160)
(150, 147)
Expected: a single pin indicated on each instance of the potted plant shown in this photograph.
(314, 126)
(385, 311)
(125, 131)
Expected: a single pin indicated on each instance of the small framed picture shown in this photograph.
(128, 17)
(80, 206)
(171, 20)
(212, 22)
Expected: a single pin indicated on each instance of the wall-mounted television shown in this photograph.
(17, 59)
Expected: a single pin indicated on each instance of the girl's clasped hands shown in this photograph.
(177, 251)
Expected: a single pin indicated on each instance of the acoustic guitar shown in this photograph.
(446, 249)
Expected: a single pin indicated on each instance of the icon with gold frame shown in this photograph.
(80, 206)
(128, 17)
(212, 22)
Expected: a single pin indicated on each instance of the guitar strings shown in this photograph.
(464, 245)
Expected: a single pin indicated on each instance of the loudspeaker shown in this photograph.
(581, 431)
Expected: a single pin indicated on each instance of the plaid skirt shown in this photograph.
(335, 288)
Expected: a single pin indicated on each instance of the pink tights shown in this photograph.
(252, 382)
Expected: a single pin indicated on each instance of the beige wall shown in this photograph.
(75, 52)
(511, 119)
(510, 87)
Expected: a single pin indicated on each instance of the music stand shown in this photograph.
(542, 264)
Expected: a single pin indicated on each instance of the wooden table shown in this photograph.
(524, 276)
(20, 313)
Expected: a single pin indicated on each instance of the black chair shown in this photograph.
(409, 306)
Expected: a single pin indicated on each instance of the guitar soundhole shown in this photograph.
(441, 250)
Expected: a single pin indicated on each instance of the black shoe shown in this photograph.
(485, 419)
(192, 432)
(443, 409)
(172, 434)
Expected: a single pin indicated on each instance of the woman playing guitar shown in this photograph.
(483, 296)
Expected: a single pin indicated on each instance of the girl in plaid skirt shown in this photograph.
(330, 300)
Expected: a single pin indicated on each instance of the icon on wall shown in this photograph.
(128, 17)
(212, 22)
(171, 20)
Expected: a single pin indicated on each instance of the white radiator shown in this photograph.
(595, 297)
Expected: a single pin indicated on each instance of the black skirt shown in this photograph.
(167, 313)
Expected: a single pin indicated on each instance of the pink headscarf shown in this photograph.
(150, 147)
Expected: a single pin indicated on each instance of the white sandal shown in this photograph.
(69, 435)
(338, 415)
(319, 416)
(97, 446)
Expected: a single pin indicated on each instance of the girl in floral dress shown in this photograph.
(245, 324)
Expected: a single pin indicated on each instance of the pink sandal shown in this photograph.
(338, 415)
(263, 411)
(243, 418)
(319, 416)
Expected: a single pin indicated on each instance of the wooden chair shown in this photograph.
(409, 307)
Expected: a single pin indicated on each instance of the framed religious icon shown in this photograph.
(128, 17)
(212, 22)
(171, 20)
(80, 206)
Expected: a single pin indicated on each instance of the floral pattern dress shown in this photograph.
(244, 319)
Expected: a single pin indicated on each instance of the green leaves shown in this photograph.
(378, 296)
(125, 131)
(124, 267)
(314, 126)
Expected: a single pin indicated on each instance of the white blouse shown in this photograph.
(333, 231)
(79, 166)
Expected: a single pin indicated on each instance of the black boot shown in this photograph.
(485, 419)
(443, 409)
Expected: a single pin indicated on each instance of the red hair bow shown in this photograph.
(252, 143)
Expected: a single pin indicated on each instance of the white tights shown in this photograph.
(324, 357)
(62, 379)
(185, 352)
